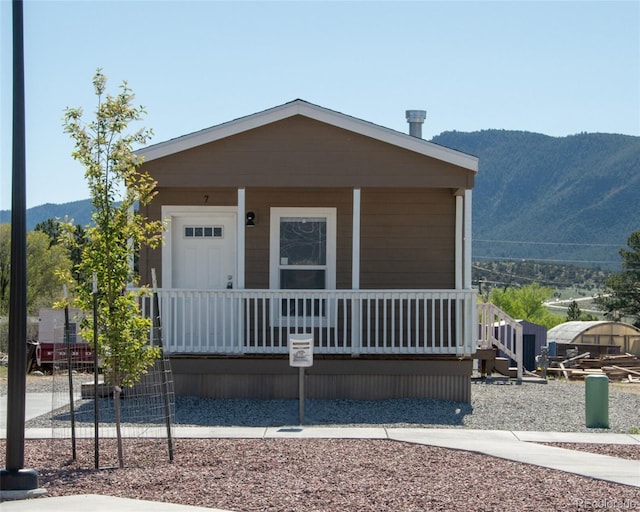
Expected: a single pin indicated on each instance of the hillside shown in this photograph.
(571, 198)
(79, 211)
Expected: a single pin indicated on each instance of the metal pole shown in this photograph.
(96, 409)
(167, 408)
(157, 324)
(67, 340)
(14, 477)
(301, 394)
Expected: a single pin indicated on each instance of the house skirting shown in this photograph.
(328, 378)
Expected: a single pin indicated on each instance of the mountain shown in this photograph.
(558, 199)
(79, 211)
(573, 199)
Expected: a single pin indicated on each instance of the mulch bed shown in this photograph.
(318, 475)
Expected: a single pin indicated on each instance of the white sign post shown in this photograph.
(301, 356)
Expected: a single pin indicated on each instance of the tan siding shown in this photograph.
(301, 152)
(407, 235)
(407, 238)
(261, 200)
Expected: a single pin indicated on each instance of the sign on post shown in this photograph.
(300, 350)
(301, 356)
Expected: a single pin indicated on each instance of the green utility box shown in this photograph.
(596, 394)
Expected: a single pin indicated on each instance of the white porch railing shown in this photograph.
(341, 321)
(500, 330)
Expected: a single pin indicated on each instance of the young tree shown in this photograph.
(104, 146)
(622, 291)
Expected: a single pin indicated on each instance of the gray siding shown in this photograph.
(357, 379)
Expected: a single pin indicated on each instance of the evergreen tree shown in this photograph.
(573, 311)
(55, 229)
(621, 297)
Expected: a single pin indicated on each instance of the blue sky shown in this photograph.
(554, 67)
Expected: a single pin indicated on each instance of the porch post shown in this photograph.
(471, 323)
(239, 279)
(356, 330)
(240, 250)
(467, 239)
(463, 270)
(459, 251)
(355, 248)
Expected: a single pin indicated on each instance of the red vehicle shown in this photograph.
(51, 348)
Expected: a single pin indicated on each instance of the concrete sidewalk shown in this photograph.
(510, 445)
(98, 503)
(516, 446)
(519, 446)
(36, 404)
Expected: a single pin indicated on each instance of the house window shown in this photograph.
(303, 255)
(203, 231)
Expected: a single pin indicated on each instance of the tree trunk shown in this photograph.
(116, 406)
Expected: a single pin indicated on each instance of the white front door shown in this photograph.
(203, 251)
(199, 254)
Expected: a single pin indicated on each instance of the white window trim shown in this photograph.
(274, 262)
(274, 241)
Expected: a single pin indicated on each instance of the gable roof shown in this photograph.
(324, 115)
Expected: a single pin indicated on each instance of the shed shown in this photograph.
(534, 337)
(603, 333)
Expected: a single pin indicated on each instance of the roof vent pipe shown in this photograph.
(415, 118)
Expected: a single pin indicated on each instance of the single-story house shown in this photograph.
(304, 220)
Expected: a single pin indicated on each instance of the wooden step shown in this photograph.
(501, 365)
(486, 356)
(87, 390)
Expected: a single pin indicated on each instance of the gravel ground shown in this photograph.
(346, 475)
(558, 406)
